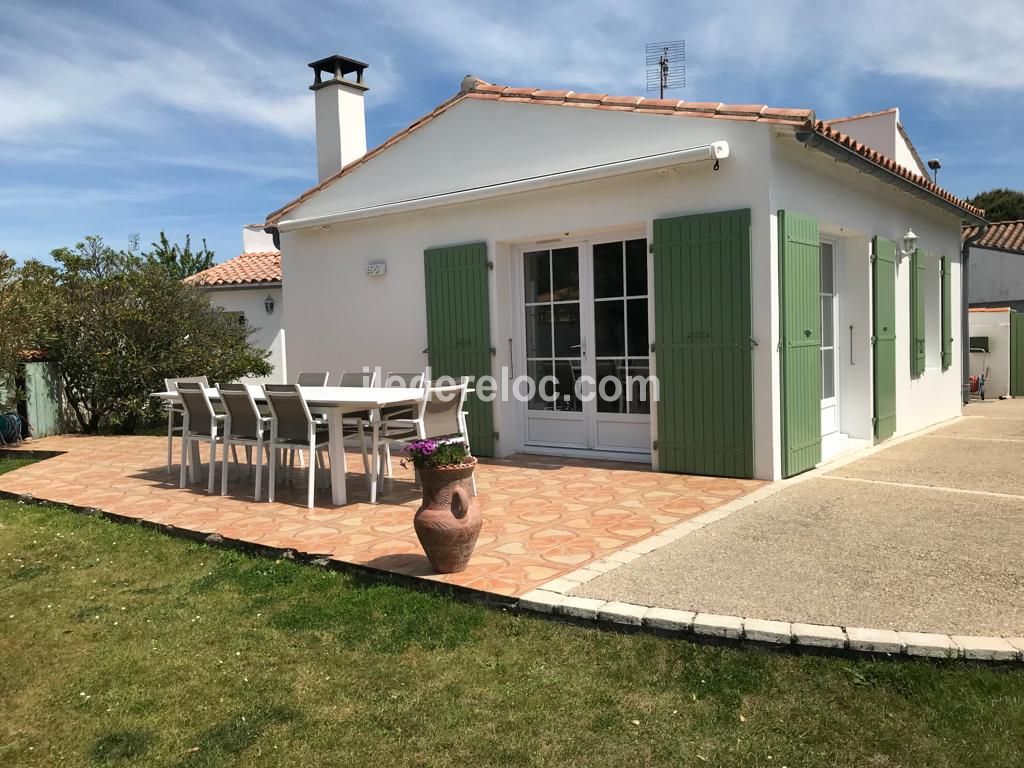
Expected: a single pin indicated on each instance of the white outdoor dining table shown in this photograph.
(335, 402)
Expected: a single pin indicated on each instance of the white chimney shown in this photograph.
(340, 121)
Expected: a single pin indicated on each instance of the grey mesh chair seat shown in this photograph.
(321, 435)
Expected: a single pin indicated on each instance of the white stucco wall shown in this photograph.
(380, 321)
(341, 319)
(995, 325)
(996, 276)
(269, 333)
(855, 207)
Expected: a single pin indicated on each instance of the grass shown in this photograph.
(123, 647)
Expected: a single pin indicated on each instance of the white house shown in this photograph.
(996, 264)
(995, 288)
(760, 263)
(249, 285)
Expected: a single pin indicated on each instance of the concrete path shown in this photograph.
(926, 536)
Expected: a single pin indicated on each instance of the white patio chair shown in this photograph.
(439, 416)
(243, 425)
(354, 420)
(293, 427)
(392, 412)
(175, 414)
(200, 424)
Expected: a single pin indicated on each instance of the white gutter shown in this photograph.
(717, 150)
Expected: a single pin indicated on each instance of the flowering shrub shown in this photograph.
(435, 453)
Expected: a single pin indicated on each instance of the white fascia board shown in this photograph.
(717, 150)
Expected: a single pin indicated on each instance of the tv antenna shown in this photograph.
(666, 66)
(133, 242)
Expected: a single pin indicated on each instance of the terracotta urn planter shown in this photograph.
(448, 521)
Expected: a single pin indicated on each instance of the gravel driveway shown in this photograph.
(927, 535)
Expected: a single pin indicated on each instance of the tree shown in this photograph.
(20, 320)
(180, 262)
(118, 325)
(1001, 204)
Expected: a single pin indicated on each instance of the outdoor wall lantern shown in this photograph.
(909, 243)
(268, 304)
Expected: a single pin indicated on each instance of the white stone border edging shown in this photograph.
(820, 636)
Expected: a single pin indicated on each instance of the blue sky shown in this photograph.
(195, 117)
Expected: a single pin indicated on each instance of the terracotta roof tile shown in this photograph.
(474, 88)
(245, 269)
(893, 167)
(1000, 236)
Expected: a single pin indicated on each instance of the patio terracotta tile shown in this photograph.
(543, 517)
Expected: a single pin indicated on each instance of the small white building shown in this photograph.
(996, 262)
(249, 285)
(794, 289)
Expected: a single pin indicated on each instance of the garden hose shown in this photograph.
(10, 428)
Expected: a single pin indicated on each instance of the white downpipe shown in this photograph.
(717, 150)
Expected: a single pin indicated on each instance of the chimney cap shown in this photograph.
(336, 67)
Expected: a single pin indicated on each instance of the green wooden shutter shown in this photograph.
(800, 343)
(458, 327)
(703, 345)
(917, 305)
(883, 336)
(947, 317)
(1016, 354)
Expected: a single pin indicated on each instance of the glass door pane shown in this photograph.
(553, 334)
(621, 345)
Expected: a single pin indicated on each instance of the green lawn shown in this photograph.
(120, 646)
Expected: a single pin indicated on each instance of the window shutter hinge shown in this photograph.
(654, 445)
(490, 265)
(493, 351)
(652, 346)
(874, 421)
(650, 247)
(496, 435)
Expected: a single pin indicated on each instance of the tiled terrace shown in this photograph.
(542, 517)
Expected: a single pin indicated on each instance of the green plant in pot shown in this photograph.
(448, 521)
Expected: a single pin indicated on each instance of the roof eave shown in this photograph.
(817, 140)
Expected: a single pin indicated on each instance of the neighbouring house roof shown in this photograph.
(258, 268)
(1000, 236)
(474, 88)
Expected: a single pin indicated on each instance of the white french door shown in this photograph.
(584, 329)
